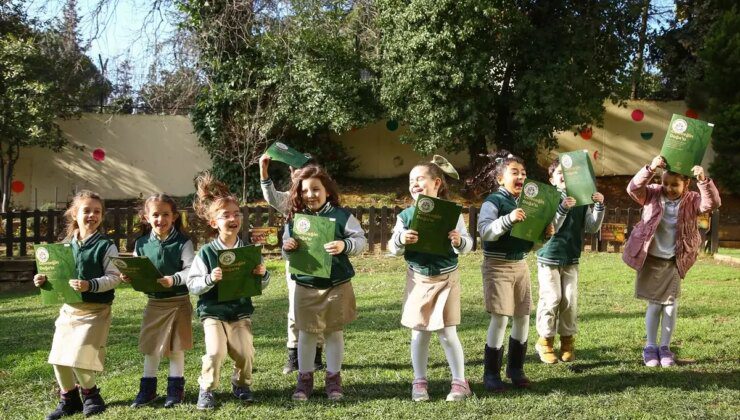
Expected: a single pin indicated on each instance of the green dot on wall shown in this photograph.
(646, 135)
(391, 125)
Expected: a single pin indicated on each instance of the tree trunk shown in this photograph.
(244, 184)
(6, 178)
(504, 132)
(639, 57)
(477, 147)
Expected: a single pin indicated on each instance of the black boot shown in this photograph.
(175, 391)
(147, 392)
(317, 363)
(492, 362)
(92, 402)
(69, 404)
(291, 365)
(515, 363)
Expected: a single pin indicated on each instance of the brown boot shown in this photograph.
(545, 350)
(567, 348)
(304, 388)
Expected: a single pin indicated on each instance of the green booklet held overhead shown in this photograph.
(286, 154)
(578, 174)
(433, 219)
(540, 202)
(311, 233)
(142, 272)
(685, 143)
(57, 263)
(237, 265)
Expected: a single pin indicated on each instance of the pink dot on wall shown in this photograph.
(98, 154)
(17, 186)
(691, 113)
(596, 155)
(638, 115)
(587, 133)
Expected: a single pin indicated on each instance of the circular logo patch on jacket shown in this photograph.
(227, 258)
(426, 205)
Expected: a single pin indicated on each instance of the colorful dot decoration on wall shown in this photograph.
(391, 125)
(691, 113)
(597, 155)
(587, 133)
(17, 186)
(638, 115)
(646, 135)
(98, 154)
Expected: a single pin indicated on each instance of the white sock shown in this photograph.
(151, 365)
(668, 323)
(307, 351)
(177, 364)
(520, 328)
(652, 318)
(496, 331)
(334, 347)
(453, 350)
(420, 352)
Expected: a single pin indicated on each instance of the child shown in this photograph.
(280, 201)
(79, 345)
(227, 325)
(165, 326)
(323, 305)
(506, 286)
(663, 246)
(432, 295)
(557, 270)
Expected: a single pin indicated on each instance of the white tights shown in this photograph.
(450, 343)
(497, 329)
(653, 317)
(333, 346)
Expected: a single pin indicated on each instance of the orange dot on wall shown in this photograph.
(17, 186)
(691, 113)
(587, 133)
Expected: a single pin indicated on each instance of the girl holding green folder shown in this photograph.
(81, 333)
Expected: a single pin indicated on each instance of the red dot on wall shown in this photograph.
(638, 115)
(596, 155)
(17, 186)
(691, 113)
(587, 133)
(98, 154)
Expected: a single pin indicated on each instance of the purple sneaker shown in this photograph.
(650, 356)
(667, 358)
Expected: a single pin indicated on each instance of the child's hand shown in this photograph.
(166, 281)
(125, 278)
(569, 202)
(264, 164)
(454, 237)
(39, 280)
(409, 237)
(217, 275)
(598, 197)
(290, 245)
(79, 285)
(334, 247)
(260, 270)
(658, 162)
(518, 215)
(549, 230)
(698, 172)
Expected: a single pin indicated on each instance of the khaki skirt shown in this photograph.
(324, 310)
(166, 326)
(506, 287)
(431, 303)
(81, 335)
(658, 281)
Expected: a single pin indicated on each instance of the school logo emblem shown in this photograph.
(302, 226)
(567, 161)
(426, 205)
(42, 254)
(531, 190)
(307, 155)
(120, 263)
(227, 258)
(281, 146)
(679, 126)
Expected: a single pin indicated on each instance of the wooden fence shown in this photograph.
(19, 230)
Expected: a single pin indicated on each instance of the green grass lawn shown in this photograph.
(607, 380)
(732, 252)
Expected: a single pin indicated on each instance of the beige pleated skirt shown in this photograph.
(81, 335)
(324, 310)
(431, 303)
(166, 326)
(658, 281)
(506, 287)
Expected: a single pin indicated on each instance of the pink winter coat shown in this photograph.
(688, 239)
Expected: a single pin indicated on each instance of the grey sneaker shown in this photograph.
(419, 390)
(242, 393)
(650, 356)
(206, 400)
(460, 390)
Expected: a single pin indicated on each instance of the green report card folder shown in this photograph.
(286, 154)
(237, 265)
(433, 219)
(142, 272)
(540, 202)
(579, 176)
(57, 263)
(685, 143)
(311, 233)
